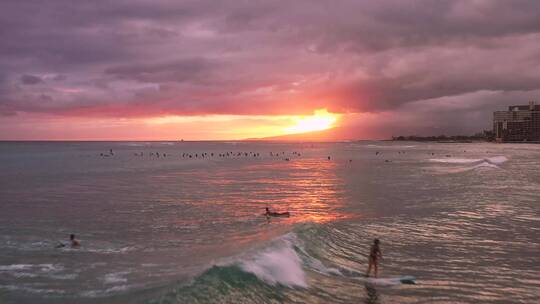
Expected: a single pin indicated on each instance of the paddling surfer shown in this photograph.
(269, 213)
(74, 242)
(374, 255)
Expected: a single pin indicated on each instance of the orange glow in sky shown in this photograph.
(250, 126)
(320, 120)
(168, 127)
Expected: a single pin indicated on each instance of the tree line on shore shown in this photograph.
(486, 135)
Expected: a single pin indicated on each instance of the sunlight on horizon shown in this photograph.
(320, 120)
(250, 126)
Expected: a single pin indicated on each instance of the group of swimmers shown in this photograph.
(208, 155)
(228, 154)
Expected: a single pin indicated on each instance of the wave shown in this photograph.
(278, 265)
(257, 276)
(496, 160)
(485, 165)
(469, 164)
(391, 146)
(287, 267)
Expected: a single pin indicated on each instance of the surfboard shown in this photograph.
(407, 280)
(392, 281)
(278, 214)
(397, 280)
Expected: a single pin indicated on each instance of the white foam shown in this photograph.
(39, 267)
(485, 165)
(36, 270)
(104, 292)
(497, 159)
(392, 146)
(107, 250)
(469, 164)
(24, 275)
(31, 289)
(69, 276)
(115, 277)
(279, 264)
(481, 166)
(490, 160)
(15, 267)
(455, 160)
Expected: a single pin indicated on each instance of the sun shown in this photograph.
(320, 120)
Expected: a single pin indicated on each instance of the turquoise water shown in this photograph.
(464, 219)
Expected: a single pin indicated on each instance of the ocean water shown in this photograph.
(463, 219)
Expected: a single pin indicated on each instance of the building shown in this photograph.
(518, 124)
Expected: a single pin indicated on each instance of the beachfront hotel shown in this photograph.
(518, 124)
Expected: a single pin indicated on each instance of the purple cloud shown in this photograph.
(144, 58)
(30, 79)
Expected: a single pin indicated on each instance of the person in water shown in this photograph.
(74, 242)
(374, 255)
(269, 213)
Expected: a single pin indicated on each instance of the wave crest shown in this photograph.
(496, 160)
(279, 264)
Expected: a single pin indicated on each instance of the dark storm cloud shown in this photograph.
(133, 58)
(178, 71)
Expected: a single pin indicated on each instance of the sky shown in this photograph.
(223, 70)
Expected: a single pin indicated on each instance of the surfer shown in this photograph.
(74, 242)
(269, 213)
(374, 255)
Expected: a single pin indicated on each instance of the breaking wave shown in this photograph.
(260, 276)
(496, 160)
(469, 164)
(278, 265)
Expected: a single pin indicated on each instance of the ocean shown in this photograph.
(159, 226)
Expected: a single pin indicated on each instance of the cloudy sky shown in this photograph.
(236, 69)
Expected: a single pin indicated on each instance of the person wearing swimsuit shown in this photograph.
(374, 255)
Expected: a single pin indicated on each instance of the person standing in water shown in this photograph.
(374, 255)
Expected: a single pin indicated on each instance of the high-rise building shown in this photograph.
(518, 124)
